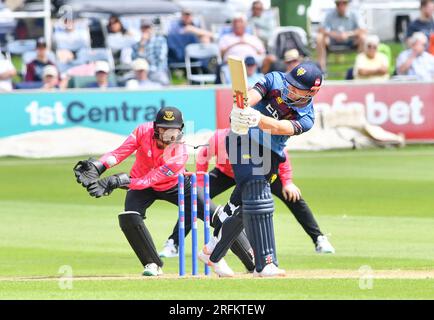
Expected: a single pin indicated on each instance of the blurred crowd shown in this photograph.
(146, 55)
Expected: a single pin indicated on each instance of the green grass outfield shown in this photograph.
(377, 206)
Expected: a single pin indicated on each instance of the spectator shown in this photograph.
(34, 68)
(141, 81)
(152, 48)
(67, 36)
(262, 25)
(102, 71)
(240, 44)
(415, 61)
(340, 27)
(183, 32)
(7, 72)
(292, 59)
(118, 36)
(50, 78)
(187, 25)
(425, 22)
(252, 71)
(371, 64)
(115, 26)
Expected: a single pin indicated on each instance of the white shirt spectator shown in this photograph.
(6, 66)
(242, 46)
(422, 66)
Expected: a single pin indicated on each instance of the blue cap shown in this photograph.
(306, 76)
(249, 61)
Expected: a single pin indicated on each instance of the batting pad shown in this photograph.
(258, 208)
(139, 237)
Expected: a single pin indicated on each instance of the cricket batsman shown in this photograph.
(279, 106)
(222, 178)
(160, 157)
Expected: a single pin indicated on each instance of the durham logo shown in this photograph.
(168, 115)
(301, 71)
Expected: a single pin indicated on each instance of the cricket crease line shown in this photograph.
(291, 274)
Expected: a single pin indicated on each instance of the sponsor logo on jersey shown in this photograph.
(168, 115)
(166, 171)
(279, 100)
(273, 178)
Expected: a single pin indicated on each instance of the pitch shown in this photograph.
(376, 206)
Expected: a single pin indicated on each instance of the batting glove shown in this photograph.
(251, 117)
(238, 125)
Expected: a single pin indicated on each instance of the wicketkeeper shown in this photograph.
(222, 178)
(160, 157)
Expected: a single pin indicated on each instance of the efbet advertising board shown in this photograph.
(116, 111)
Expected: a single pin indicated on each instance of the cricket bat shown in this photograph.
(237, 69)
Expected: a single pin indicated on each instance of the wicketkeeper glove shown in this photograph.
(105, 186)
(88, 171)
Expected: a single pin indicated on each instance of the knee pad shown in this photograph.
(139, 237)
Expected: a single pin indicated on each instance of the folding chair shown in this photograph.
(201, 51)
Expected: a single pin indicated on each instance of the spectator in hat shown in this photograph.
(341, 27)
(7, 72)
(292, 59)
(50, 78)
(415, 61)
(371, 64)
(34, 69)
(153, 49)
(252, 71)
(141, 80)
(102, 72)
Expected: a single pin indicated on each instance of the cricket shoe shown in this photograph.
(170, 250)
(270, 270)
(152, 270)
(206, 251)
(323, 245)
(221, 268)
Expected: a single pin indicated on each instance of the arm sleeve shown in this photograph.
(264, 85)
(303, 124)
(172, 167)
(285, 171)
(118, 155)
